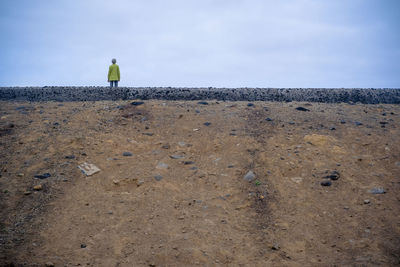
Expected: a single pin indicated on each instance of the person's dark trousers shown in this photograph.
(114, 82)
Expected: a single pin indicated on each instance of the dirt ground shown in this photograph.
(181, 199)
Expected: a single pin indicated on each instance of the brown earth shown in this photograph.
(200, 210)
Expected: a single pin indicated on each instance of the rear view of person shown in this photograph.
(113, 73)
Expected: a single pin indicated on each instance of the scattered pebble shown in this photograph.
(38, 187)
(189, 162)
(88, 169)
(250, 105)
(139, 183)
(137, 103)
(165, 146)
(162, 165)
(43, 176)
(177, 156)
(202, 103)
(250, 176)
(268, 119)
(302, 109)
(275, 247)
(207, 123)
(158, 177)
(83, 245)
(334, 175)
(326, 182)
(367, 201)
(377, 190)
(70, 156)
(27, 193)
(127, 154)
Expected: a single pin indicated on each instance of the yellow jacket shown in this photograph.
(113, 73)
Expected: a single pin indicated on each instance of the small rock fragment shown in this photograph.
(334, 175)
(202, 103)
(27, 193)
(177, 156)
(162, 165)
(127, 154)
(70, 156)
(250, 176)
(367, 201)
(158, 177)
(43, 176)
(189, 162)
(166, 146)
(49, 264)
(83, 245)
(207, 123)
(88, 169)
(137, 103)
(268, 119)
(250, 105)
(275, 247)
(302, 109)
(326, 182)
(38, 187)
(377, 190)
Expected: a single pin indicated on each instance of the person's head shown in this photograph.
(114, 61)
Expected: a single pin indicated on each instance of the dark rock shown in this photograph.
(250, 105)
(377, 190)
(158, 177)
(83, 245)
(189, 162)
(127, 154)
(70, 156)
(358, 123)
(292, 123)
(326, 182)
(166, 146)
(43, 176)
(148, 134)
(302, 109)
(268, 119)
(207, 123)
(383, 122)
(137, 103)
(177, 156)
(202, 103)
(342, 122)
(275, 247)
(334, 175)
(333, 129)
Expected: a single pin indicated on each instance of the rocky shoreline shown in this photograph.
(92, 93)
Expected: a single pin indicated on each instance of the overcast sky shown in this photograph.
(201, 43)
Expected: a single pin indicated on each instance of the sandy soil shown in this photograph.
(181, 198)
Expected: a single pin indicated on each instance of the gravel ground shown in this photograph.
(206, 183)
(323, 95)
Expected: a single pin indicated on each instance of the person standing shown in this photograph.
(113, 73)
